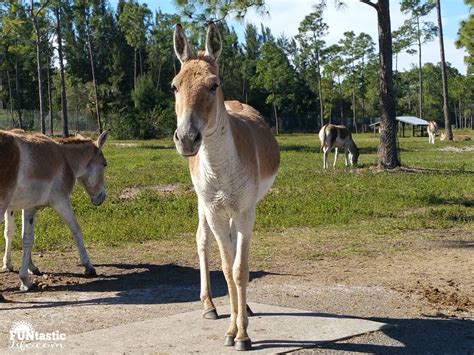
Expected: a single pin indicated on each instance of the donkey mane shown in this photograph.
(72, 140)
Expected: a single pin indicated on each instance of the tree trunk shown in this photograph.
(10, 95)
(38, 67)
(276, 116)
(61, 72)
(444, 77)
(18, 95)
(94, 83)
(50, 99)
(135, 70)
(420, 72)
(388, 153)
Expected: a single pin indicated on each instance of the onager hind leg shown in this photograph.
(28, 225)
(8, 234)
(336, 150)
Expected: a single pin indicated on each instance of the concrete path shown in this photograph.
(273, 329)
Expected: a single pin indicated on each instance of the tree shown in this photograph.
(134, 22)
(310, 32)
(447, 123)
(465, 37)
(387, 154)
(419, 32)
(274, 74)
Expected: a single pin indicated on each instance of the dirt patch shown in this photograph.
(130, 193)
(467, 149)
(126, 145)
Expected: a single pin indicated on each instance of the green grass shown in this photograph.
(370, 205)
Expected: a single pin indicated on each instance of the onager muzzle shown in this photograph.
(187, 137)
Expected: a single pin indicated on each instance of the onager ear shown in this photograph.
(213, 41)
(101, 140)
(181, 46)
(80, 136)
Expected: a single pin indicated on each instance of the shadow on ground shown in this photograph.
(134, 284)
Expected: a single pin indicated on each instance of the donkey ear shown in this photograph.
(101, 140)
(181, 46)
(213, 41)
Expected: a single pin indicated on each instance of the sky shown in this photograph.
(286, 15)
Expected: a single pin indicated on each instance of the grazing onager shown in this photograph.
(332, 136)
(37, 171)
(233, 161)
(432, 130)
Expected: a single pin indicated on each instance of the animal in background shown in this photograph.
(432, 130)
(38, 171)
(338, 136)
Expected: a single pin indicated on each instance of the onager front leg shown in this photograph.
(240, 271)
(64, 209)
(203, 243)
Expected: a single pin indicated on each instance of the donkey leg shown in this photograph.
(64, 209)
(28, 225)
(221, 228)
(240, 270)
(336, 150)
(8, 234)
(203, 243)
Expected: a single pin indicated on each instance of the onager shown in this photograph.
(432, 130)
(233, 161)
(37, 171)
(332, 136)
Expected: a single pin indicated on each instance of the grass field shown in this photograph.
(341, 212)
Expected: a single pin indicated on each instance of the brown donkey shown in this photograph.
(37, 171)
(233, 160)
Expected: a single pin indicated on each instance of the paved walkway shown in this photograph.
(273, 329)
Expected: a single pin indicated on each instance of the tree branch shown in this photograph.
(370, 3)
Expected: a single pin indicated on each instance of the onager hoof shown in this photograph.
(7, 268)
(90, 271)
(243, 345)
(249, 311)
(212, 314)
(229, 340)
(35, 271)
(26, 287)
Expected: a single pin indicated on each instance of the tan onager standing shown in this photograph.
(37, 171)
(233, 161)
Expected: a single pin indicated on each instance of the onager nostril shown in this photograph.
(176, 138)
(198, 138)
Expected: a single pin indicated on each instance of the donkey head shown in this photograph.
(197, 90)
(93, 177)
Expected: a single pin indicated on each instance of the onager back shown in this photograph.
(233, 160)
(432, 130)
(37, 171)
(332, 136)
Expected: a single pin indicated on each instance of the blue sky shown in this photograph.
(285, 16)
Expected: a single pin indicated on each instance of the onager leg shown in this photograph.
(240, 270)
(64, 209)
(220, 226)
(325, 157)
(203, 243)
(28, 225)
(346, 157)
(8, 234)
(335, 157)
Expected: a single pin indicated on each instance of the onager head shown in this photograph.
(354, 155)
(197, 90)
(92, 179)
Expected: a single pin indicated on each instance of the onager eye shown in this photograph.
(214, 87)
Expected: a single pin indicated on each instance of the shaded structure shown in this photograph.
(417, 124)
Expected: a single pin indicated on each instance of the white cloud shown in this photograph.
(286, 17)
